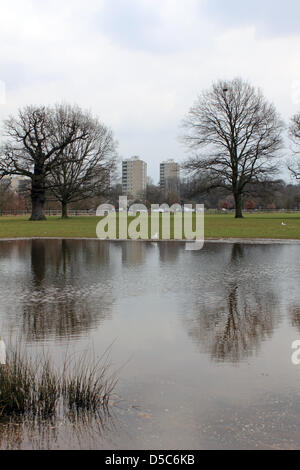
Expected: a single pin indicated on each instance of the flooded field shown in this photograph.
(201, 341)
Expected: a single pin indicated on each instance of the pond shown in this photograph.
(201, 341)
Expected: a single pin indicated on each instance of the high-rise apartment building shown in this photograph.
(134, 177)
(16, 183)
(170, 176)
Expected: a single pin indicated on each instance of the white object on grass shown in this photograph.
(2, 353)
(283, 224)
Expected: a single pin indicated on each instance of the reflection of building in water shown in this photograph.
(169, 251)
(133, 252)
(16, 254)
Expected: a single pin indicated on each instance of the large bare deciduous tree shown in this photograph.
(86, 166)
(235, 136)
(294, 132)
(36, 140)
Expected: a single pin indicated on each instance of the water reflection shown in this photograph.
(239, 315)
(238, 252)
(235, 332)
(81, 431)
(133, 253)
(73, 286)
(38, 262)
(59, 298)
(295, 316)
(182, 322)
(169, 252)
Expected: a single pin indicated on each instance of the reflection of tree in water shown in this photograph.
(294, 312)
(63, 259)
(62, 319)
(84, 430)
(238, 252)
(238, 331)
(38, 261)
(233, 328)
(69, 293)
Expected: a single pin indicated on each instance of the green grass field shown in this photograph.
(216, 226)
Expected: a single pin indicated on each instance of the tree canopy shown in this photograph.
(234, 135)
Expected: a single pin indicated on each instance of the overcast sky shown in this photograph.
(139, 64)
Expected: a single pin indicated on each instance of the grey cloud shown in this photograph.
(128, 23)
(271, 17)
(137, 25)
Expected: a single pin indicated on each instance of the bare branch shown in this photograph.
(237, 136)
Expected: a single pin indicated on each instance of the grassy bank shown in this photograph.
(216, 226)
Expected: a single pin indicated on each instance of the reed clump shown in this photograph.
(34, 387)
(86, 385)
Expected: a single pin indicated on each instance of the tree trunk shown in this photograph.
(38, 197)
(38, 202)
(238, 206)
(37, 212)
(64, 210)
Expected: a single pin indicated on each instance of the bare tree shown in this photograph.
(36, 139)
(294, 132)
(86, 166)
(241, 134)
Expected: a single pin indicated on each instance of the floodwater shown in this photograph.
(201, 341)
